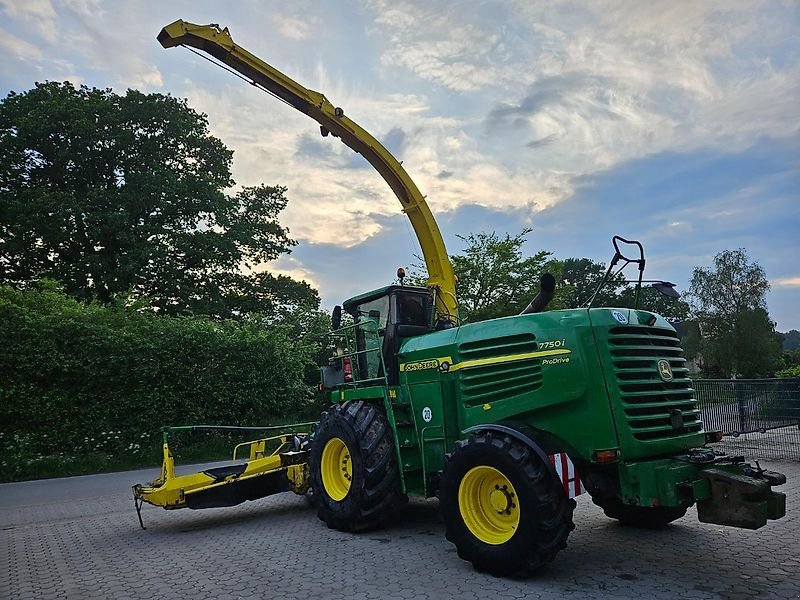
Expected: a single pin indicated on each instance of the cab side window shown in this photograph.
(411, 310)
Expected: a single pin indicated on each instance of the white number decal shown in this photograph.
(552, 344)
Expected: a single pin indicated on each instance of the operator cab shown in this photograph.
(366, 347)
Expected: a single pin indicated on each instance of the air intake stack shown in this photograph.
(547, 287)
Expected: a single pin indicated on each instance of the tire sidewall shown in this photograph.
(492, 456)
(334, 425)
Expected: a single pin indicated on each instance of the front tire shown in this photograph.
(354, 474)
(503, 508)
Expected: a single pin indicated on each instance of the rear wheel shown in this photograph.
(354, 474)
(503, 508)
(645, 517)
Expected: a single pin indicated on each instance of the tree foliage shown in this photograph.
(122, 197)
(729, 300)
(734, 284)
(673, 309)
(494, 278)
(578, 278)
(791, 354)
(791, 340)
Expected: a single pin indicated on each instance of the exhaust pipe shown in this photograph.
(547, 287)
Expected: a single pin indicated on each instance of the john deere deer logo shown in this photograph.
(665, 370)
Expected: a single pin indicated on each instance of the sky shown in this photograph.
(675, 123)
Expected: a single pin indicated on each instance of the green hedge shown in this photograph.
(85, 382)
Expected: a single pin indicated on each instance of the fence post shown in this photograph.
(737, 393)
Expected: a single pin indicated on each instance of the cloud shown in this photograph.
(36, 15)
(19, 48)
(514, 109)
(787, 281)
(589, 86)
(395, 141)
(291, 267)
(140, 74)
(292, 26)
(542, 141)
(86, 8)
(55, 38)
(426, 39)
(330, 202)
(311, 147)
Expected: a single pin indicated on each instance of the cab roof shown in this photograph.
(380, 292)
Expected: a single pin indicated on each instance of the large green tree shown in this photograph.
(791, 340)
(729, 301)
(123, 196)
(674, 309)
(495, 279)
(578, 280)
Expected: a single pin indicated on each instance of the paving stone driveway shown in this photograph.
(79, 538)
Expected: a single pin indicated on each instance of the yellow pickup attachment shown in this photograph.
(263, 473)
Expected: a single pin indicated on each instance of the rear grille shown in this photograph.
(654, 409)
(496, 381)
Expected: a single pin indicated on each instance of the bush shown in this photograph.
(791, 371)
(80, 382)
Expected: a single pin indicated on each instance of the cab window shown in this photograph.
(373, 316)
(411, 310)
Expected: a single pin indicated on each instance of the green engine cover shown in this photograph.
(585, 380)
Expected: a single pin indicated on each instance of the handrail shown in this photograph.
(348, 332)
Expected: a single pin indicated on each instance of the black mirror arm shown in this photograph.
(611, 265)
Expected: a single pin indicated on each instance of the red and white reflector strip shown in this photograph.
(568, 475)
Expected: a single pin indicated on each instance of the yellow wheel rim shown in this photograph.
(336, 468)
(489, 505)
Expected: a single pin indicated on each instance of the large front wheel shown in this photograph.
(354, 474)
(503, 508)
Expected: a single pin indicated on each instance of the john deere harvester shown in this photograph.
(506, 420)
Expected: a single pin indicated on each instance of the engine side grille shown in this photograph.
(493, 347)
(489, 383)
(502, 379)
(654, 408)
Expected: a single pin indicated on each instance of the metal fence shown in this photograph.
(759, 418)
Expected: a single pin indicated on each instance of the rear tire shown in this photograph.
(354, 474)
(643, 517)
(503, 508)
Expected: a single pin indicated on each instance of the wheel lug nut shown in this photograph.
(497, 487)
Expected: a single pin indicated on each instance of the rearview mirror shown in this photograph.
(667, 288)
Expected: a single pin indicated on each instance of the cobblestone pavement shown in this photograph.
(781, 444)
(79, 538)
